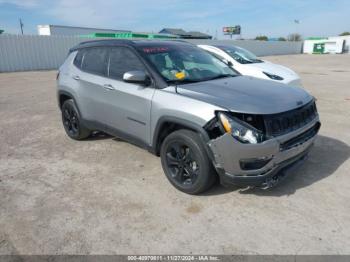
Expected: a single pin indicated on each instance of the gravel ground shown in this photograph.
(105, 196)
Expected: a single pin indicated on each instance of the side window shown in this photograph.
(121, 60)
(78, 58)
(95, 61)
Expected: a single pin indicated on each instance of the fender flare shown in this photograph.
(63, 92)
(186, 123)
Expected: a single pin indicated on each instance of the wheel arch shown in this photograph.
(65, 95)
(169, 124)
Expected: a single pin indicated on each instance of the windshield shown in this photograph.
(182, 64)
(241, 55)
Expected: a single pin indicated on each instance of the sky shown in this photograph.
(274, 18)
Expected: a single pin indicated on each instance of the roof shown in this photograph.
(184, 34)
(175, 31)
(198, 34)
(115, 42)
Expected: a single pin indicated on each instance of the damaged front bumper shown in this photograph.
(263, 164)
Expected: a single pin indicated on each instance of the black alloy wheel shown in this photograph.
(185, 162)
(72, 121)
(182, 164)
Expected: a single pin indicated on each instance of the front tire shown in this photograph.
(185, 162)
(72, 121)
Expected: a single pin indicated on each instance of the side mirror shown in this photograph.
(136, 76)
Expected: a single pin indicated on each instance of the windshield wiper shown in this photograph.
(188, 81)
(180, 82)
(253, 61)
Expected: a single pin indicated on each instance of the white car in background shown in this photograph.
(248, 64)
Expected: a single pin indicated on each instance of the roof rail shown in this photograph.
(91, 43)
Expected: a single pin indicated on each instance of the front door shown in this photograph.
(127, 106)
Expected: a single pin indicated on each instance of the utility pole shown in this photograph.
(296, 22)
(21, 25)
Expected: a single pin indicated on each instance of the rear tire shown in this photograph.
(185, 162)
(72, 121)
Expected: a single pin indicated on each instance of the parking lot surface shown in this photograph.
(105, 196)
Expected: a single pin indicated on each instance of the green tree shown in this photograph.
(282, 39)
(294, 37)
(1, 31)
(262, 38)
(344, 33)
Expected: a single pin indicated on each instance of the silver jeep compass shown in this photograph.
(201, 117)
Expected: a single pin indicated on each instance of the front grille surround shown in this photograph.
(283, 123)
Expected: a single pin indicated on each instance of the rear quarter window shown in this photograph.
(78, 58)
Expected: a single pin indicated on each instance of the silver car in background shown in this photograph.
(204, 120)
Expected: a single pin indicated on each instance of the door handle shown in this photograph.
(108, 87)
(76, 78)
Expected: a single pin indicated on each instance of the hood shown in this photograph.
(274, 69)
(247, 95)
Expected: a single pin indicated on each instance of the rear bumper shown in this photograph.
(279, 159)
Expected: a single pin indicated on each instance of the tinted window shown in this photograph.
(95, 61)
(121, 60)
(78, 59)
(183, 63)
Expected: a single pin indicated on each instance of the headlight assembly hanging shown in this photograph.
(240, 130)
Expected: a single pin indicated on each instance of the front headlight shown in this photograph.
(240, 130)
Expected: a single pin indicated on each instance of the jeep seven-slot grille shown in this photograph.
(283, 123)
(301, 138)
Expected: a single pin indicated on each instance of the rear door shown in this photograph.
(127, 106)
(91, 78)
